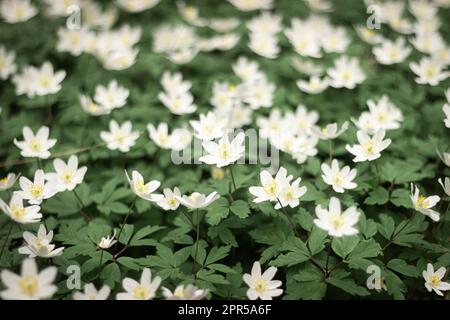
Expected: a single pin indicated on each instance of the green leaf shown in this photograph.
(216, 254)
(217, 211)
(386, 227)
(357, 258)
(111, 274)
(126, 234)
(401, 198)
(240, 208)
(316, 240)
(344, 245)
(378, 196)
(298, 253)
(129, 263)
(138, 237)
(402, 267)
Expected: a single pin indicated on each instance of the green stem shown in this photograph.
(6, 240)
(101, 258)
(123, 224)
(39, 163)
(196, 242)
(330, 147)
(288, 218)
(377, 171)
(328, 258)
(84, 214)
(232, 178)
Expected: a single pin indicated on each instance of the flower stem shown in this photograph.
(84, 214)
(330, 147)
(232, 178)
(377, 171)
(196, 242)
(39, 163)
(328, 258)
(101, 258)
(6, 240)
(288, 218)
(123, 224)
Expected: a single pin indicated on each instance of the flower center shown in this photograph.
(271, 188)
(35, 145)
(337, 222)
(370, 147)
(140, 187)
(119, 137)
(289, 194)
(4, 180)
(224, 151)
(140, 292)
(338, 179)
(431, 72)
(179, 293)
(17, 212)
(346, 75)
(422, 202)
(28, 285)
(434, 280)
(67, 176)
(261, 286)
(36, 190)
(44, 81)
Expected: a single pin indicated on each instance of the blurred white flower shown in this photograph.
(445, 185)
(120, 138)
(265, 45)
(224, 152)
(30, 284)
(20, 214)
(429, 71)
(35, 146)
(145, 289)
(181, 292)
(390, 52)
(251, 5)
(315, 85)
(329, 132)
(91, 293)
(7, 65)
(112, 96)
(14, 11)
(223, 24)
(137, 5)
(8, 181)
(197, 200)
(208, 127)
(346, 73)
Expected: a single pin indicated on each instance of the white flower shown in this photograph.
(315, 85)
(445, 185)
(111, 97)
(368, 35)
(197, 200)
(224, 152)
(91, 107)
(67, 176)
(261, 285)
(174, 83)
(223, 24)
(60, 8)
(428, 42)
(307, 43)
(336, 222)
(266, 22)
(40, 245)
(346, 73)
(178, 104)
(303, 120)
(445, 157)
(170, 201)
(259, 94)
(208, 127)
(37, 190)
(390, 52)
(72, 40)
(369, 148)
(247, 70)
(270, 189)
(337, 40)
(35, 146)
(45, 81)
(265, 45)
(141, 189)
(14, 11)
(30, 284)
(137, 5)
(433, 279)
(330, 132)
(107, 242)
(143, 290)
(118, 58)
(339, 179)
(251, 5)
(8, 181)
(386, 115)
(429, 72)
(120, 137)
(180, 139)
(20, 214)
(305, 66)
(160, 135)
(424, 204)
(446, 109)
(305, 146)
(91, 293)
(290, 194)
(7, 65)
(181, 292)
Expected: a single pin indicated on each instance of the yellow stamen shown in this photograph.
(28, 285)
(140, 292)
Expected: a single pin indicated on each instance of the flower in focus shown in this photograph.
(424, 204)
(141, 189)
(37, 190)
(339, 179)
(169, 200)
(39, 245)
(369, 148)
(107, 242)
(67, 176)
(336, 222)
(145, 289)
(261, 285)
(224, 152)
(197, 200)
(433, 279)
(181, 292)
